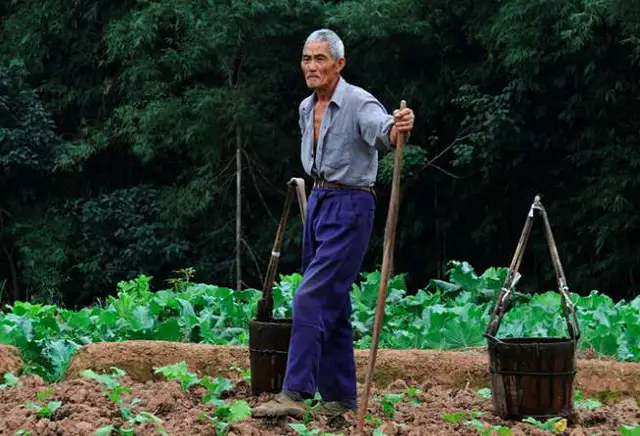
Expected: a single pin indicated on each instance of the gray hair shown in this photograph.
(336, 46)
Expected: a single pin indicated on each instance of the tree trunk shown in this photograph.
(438, 236)
(238, 208)
(14, 294)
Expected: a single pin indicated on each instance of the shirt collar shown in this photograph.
(338, 93)
(337, 97)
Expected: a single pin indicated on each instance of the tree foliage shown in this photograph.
(118, 123)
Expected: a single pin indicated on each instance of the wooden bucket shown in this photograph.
(268, 353)
(533, 377)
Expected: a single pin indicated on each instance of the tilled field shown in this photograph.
(84, 408)
(417, 393)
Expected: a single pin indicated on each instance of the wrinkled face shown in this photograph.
(319, 69)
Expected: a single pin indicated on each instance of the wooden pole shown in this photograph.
(238, 209)
(387, 259)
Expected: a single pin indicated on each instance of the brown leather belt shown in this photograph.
(332, 185)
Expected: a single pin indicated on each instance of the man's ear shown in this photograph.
(341, 63)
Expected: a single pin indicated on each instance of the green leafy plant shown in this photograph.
(303, 430)
(132, 420)
(115, 391)
(10, 381)
(460, 415)
(554, 425)
(445, 315)
(412, 395)
(484, 393)
(227, 413)
(179, 372)
(244, 372)
(47, 410)
(215, 388)
(389, 402)
(629, 430)
(485, 429)
(588, 404)
(470, 419)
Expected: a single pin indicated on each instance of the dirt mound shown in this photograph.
(10, 360)
(453, 369)
(84, 408)
(137, 358)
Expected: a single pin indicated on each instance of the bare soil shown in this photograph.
(10, 360)
(85, 408)
(448, 382)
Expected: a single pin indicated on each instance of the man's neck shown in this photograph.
(323, 95)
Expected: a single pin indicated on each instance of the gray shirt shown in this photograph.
(354, 127)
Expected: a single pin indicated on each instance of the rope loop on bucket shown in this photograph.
(501, 306)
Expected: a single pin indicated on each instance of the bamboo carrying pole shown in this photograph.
(264, 310)
(387, 260)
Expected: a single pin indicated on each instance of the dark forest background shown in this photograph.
(121, 122)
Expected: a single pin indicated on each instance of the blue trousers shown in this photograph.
(336, 235)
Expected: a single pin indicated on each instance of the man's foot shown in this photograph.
(281, 405)
(332, 409)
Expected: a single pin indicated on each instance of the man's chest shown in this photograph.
(318, 115)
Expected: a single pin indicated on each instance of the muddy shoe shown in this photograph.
(332, 409)
(281, 405)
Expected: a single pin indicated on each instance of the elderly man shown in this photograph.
(342, 127)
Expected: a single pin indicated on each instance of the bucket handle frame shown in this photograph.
(264, 310)
(501, 306)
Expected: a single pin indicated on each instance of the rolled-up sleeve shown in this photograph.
(374, 123)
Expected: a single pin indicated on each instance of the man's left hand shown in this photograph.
(403, 120)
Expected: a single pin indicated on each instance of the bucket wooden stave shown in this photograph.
(268, 352)
(533, 377)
